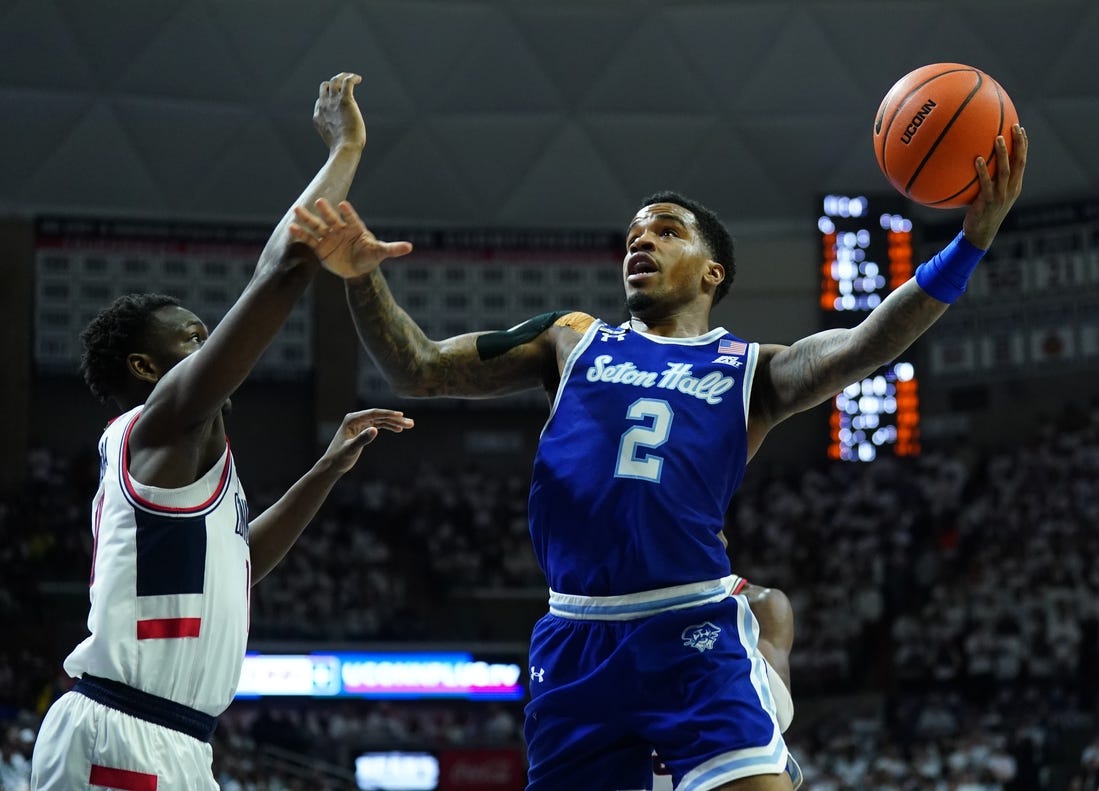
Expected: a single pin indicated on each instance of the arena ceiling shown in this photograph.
(520, 113)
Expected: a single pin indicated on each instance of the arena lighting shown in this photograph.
(397, 771)
(866, 253)
(380, 676)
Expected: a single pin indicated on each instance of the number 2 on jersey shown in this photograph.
(646, 467)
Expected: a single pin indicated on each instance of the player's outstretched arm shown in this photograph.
(272, 533)
(198, 386)
(793, 378)
(470, 366)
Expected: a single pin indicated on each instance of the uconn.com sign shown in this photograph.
(419, 674)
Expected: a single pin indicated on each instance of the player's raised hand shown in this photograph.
(998, 193)
(336, 113)
(358, 430)
(341, 240)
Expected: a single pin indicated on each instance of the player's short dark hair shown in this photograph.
(111, 336)
(714, 234)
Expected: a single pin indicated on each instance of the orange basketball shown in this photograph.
(931, 126)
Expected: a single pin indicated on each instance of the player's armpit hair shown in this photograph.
(493, 344)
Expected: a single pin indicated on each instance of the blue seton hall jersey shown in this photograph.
(643, 449)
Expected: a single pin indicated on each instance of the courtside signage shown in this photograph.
(379, 676)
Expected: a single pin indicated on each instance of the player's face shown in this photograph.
(665, 256)
(176, 334)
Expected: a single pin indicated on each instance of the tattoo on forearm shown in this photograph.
(395, 342)
(828, 361)
(415, 365)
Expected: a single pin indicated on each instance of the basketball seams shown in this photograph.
(991, 153)
(945, 131)
(884, 136)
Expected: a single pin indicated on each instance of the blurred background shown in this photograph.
(934, 526)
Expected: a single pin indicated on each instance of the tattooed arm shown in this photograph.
(791, 379)
(467, 366)
(416, 366)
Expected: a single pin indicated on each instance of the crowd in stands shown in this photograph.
(960, 588)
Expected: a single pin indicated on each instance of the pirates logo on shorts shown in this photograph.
(701, 636)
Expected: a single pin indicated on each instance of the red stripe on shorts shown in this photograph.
(159, 628)
(122, 779)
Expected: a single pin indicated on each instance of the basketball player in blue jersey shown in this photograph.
(175, 550)
(645, 645)
(775, 616)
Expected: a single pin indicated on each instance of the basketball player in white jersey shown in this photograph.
(175, 551)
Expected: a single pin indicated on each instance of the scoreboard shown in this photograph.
(866, 253)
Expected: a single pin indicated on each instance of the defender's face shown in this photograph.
(176, 334)
(665, 256)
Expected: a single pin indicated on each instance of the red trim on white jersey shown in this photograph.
(160, 628)
(148, 505)
(121, 779)
(95, 533)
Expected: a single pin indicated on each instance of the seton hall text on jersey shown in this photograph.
(677, 376)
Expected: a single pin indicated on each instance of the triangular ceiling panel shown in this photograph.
(800, 151)
(348, 41)
(40, 50)
(415, 183)
(864, 36)
(647, 153)
(1023, 25)
(191, 57)
(130, 29)
(954, 40)
(1062, 157)
(75, 179)
(647, 76)
(270, 52)
(45, 122)
(822, 81)
(498, 72)
(492, 154)
(570, 185)
(726, 43)
(177, 152)
(426, 41)
(729, 178)
(574, 41)
(1074, 63)
(253, 178)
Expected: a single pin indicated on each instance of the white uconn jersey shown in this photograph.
(170, 583)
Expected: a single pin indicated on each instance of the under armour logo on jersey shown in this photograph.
(618, 334)
(538, 675)
(701, 636)
(242, 516)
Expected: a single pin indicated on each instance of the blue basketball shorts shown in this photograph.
(689, 683)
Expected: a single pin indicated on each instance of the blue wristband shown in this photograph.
(944, 276)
